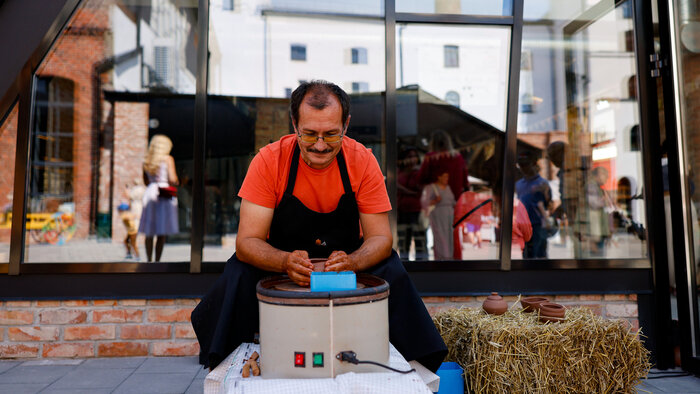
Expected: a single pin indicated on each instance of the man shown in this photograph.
(315, 193)
(534, 192)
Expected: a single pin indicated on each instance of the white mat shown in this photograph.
(226, 379)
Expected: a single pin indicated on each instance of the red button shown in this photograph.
(299, 359)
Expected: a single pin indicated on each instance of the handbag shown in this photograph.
(167, 191)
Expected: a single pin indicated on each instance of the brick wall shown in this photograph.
(123, 328)
(8, 146)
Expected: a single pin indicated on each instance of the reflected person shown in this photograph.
(534, 192)
(159, 215)
(409, 206)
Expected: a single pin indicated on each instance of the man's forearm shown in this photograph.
(372, 251)
(261, 254)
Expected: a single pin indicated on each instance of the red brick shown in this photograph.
(118, 316)
(481, 298)
(76, 303)
(22, 334)
(565, 297)
(590, 297)
(70, 350)
(433, 300)
(169, 315)
(77, 333)
(122, 349)
(19, 351)
(462, 299)
(161, 302)
(16, 317)
(62, 316)
(48, 303)
(189, 348)
(632, 297)
(509, 298)
(132, 302)
(184, 331)
(621, 310)
(186, 301)
(145, 331)
(104, 302)
(18, 304)
(615, 297)
(435, 309)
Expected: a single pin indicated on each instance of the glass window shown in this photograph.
(450, 150)
(8, 146)
(451, 56)
(580, 175)
(251, 75)
(111, 151)
(473, 7)
(360, 87)
(298, 52)
(359, 55)
(228, 5)
(452, 98)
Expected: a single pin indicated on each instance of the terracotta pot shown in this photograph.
(551, 312)
(531, 304)
(495, 305)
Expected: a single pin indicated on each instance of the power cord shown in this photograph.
(351, 357)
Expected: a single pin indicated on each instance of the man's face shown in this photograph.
(320, 123)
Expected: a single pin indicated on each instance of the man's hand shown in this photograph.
(340, 261)
(299, 267)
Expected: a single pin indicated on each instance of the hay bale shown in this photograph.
(515, 353)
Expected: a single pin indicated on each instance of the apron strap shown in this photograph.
(293, 168)
(344, 172)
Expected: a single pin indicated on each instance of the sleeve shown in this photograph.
(258, 186)
(372, 196)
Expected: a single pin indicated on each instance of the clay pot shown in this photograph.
(551, 312)
(494, 304)
(532, 304)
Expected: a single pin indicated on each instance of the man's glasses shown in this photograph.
(329, 139)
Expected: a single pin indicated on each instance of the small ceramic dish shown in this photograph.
(531, 304)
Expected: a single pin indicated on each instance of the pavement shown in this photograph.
(158, 375)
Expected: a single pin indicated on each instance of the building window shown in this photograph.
(287, 92)
(162, 65)
(634, 138)
(299, 52)
(452, 98)
(360, 87)
(359, 55)
(451, 56)
(228, 5)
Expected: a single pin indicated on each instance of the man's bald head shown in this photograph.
(318, 94)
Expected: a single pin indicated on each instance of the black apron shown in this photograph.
(228, 315)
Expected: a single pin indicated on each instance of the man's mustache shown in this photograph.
(312, 150)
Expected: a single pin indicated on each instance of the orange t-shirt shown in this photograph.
(318, 190)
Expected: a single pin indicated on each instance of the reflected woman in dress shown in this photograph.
(159, 215)
(438, 198)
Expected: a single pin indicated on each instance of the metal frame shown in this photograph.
(683, 250)
(199, 145)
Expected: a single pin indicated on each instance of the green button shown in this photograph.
(318, 359)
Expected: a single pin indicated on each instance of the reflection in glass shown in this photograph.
(8, 146)
(470, 7)
(252, 74)
(119, 74)
(450, 149)
(580, 172)
(688, 49)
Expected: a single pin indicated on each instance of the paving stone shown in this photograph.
(170, 364)
(7, 365)
(46, 361)
(114, 362)
(155, 383)
(196, 387)
(21, 388)
(84, 378)
(203, 372)
(49, 390)
(38, 374)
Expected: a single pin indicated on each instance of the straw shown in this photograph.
(515, 353)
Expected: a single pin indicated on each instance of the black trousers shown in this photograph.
(228, 314)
